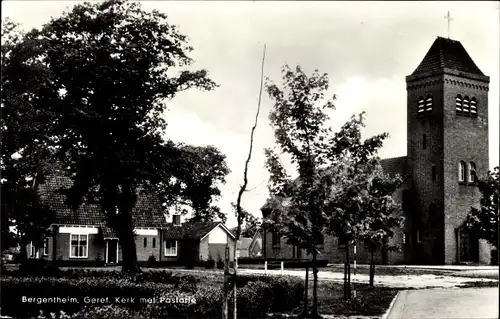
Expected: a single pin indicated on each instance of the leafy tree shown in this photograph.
(484, 220)
(382, 217)
(26, 158)
(299, 128)
(349, 179)
(105, 72)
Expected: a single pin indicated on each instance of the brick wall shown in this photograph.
(465, 139)
(143, 253)
(420, 161)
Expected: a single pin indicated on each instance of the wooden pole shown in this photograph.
(225, 313)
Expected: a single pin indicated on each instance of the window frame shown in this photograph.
(46, 246)
(153, 244)
(421, 106)
(165, 252)
(462, 172)
(472, 170)
(459, 105)
(424, 141)
(78, 245)
(145, 242)
(429, 103)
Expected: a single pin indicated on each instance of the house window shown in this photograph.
(170, 248)
(145, 242)
(79, 246)
(465, 106)
(473, 107)
(420, 106)
(461, 171)
(46, 247)
(458, 104)
(434, 173)
(154, 242)
(472, 172)
(428, 104)
(32, 250)
(276, 239)
(424, 141)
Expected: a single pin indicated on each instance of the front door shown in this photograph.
(468, 248)
(112, 251)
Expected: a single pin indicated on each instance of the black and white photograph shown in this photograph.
(250, 159)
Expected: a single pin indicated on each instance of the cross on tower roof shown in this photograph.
(448, 17)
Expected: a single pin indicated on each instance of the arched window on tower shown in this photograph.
(421, 106)
(428, 104)
(472, 172)
(458, 104)
(473, 107)
(466, 106)
(461, 171)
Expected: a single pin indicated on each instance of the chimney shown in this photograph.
(176, 219)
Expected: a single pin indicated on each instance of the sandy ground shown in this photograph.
(404, 281)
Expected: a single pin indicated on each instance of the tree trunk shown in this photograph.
(225, 300)
(235, 266)
(347, 273)
(314, 312)
(372, 269)
(125, 230)
(306, 292)
(23, 254)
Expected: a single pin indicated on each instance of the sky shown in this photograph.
(366, 48)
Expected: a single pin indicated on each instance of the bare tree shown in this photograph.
(241, 214)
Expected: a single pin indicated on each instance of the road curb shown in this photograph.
(391, 306)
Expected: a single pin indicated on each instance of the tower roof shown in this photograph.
(447, 54)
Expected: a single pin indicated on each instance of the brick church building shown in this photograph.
(447, 150)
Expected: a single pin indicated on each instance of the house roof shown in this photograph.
(146, 213)
(395, 166)
(192, 230)
(449, 54)
(244, 243)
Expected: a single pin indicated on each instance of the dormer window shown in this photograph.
(176, 219)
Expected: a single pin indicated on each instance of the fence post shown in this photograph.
(354, 276)
(265, 267)
(282, 267)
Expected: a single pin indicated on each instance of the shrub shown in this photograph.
(108, 312)
(152, 261)
(210, 262)
(220, 264)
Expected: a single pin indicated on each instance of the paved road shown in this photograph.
(467, 303)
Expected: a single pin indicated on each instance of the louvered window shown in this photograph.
(420, 106)
(428, 104)
(458, 104)
(473, 107)
(466, 106)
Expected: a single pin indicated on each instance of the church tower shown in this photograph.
(447, 149)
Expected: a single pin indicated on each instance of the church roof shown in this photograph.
(447, 54)
(395, 166)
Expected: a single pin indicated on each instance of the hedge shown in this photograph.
(257, 296)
